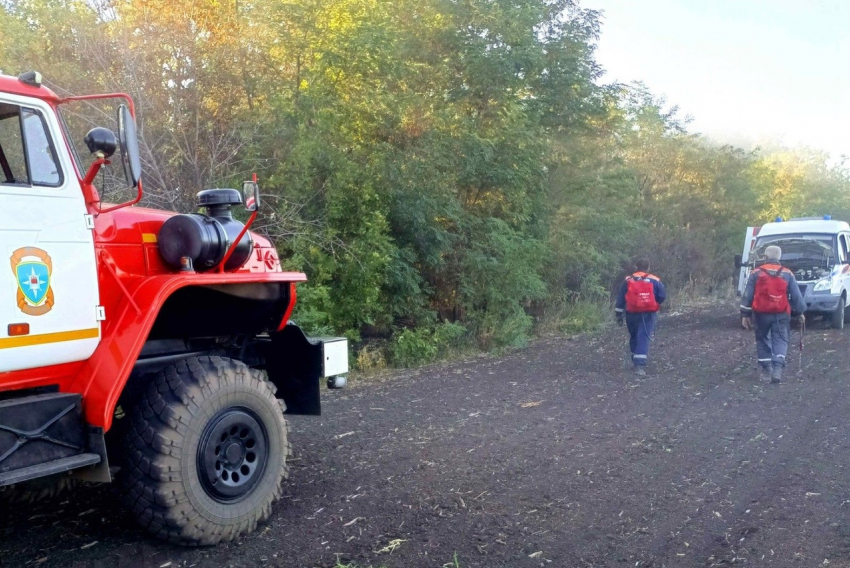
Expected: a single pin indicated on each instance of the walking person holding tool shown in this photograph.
(770, 299)
(638, 302)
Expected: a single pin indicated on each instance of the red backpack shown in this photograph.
(771, 294)
(640, 295)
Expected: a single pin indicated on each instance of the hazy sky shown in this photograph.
(745, 70)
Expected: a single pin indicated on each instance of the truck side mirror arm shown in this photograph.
(89, 191)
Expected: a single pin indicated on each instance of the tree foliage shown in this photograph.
(443, 170)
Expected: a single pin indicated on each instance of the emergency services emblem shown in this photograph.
(32, 268)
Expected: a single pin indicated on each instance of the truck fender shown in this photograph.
(102, 377)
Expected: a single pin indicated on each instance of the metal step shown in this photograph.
(49, 468)
(40, 429)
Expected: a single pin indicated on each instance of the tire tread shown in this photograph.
(152, 480)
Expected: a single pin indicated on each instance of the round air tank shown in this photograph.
(206, 238)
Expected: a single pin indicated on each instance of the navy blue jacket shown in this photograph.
(657, 288)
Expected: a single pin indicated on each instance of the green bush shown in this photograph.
(311, 311)
(411, 347)
(446, 173)
(448, 334)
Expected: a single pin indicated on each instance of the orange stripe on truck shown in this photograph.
(45, 338)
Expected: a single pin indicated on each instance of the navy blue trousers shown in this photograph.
(772, 334)
(641, 329)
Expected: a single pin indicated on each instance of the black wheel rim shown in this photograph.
(233, 454)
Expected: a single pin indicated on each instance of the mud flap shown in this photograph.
(296, 365)
(100, 472)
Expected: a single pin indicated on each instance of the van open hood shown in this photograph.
(801, 252)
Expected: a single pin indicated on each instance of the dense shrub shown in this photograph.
(447, 173)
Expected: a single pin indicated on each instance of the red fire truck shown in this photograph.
(142, 344)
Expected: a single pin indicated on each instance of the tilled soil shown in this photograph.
(550, 456)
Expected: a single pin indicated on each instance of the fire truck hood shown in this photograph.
(134, 225)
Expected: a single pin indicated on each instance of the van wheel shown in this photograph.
(206, 453)
(838, 314)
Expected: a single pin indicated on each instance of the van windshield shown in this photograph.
(809, 257)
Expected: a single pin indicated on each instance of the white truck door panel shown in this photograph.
(48, 273)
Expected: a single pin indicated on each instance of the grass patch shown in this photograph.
(572, 317)
(413, 347)
(584, 317)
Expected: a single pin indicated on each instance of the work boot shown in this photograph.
(639, 371)
(765, 374)
(776, 376)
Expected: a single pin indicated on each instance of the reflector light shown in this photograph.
(18, 329)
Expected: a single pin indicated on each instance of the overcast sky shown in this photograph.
(747, 71)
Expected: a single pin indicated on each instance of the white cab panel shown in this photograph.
(48, 273)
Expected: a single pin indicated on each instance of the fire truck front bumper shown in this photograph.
(298, 365)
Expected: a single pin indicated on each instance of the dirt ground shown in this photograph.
(550, 456)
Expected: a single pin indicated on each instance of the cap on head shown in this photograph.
(642, 265)
(773, 252)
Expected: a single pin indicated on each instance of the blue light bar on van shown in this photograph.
(778, 220)
(827, 217)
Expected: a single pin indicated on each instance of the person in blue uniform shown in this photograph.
(771, 298)
(638, 302)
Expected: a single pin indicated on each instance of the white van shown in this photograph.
(816, 250)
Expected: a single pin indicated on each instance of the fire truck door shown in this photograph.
(48, 276)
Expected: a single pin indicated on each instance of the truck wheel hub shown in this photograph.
(232, 455)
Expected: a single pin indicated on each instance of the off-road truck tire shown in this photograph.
(206, 452)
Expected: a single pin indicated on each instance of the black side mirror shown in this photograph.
(739, 261)
(129, 142)
(251, 195)
(101, 141)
